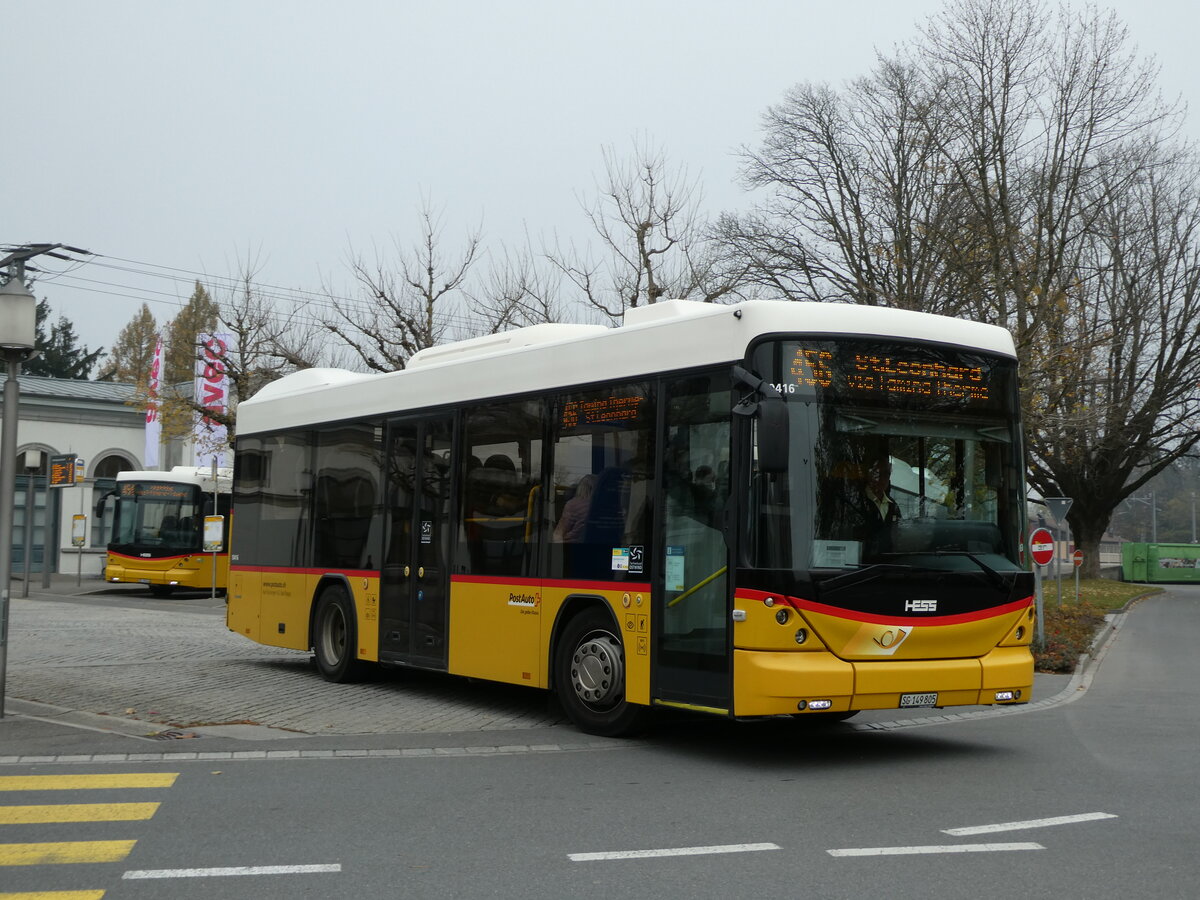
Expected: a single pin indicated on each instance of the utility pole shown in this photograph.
(18, 332)
(18, 336)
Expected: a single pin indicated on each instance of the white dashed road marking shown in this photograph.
(231, 870)
(945, 848)
(1031, 823)
(670, 851)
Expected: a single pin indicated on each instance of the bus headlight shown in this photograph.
(801, 635)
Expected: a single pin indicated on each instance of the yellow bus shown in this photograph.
(759, 509)
(158, 529)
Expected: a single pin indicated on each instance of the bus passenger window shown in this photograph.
(499, 498)
(602, 487)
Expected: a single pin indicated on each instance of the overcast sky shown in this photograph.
(181, 138)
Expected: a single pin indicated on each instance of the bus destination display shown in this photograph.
(157, 491)
(606, 410)
(885, 375)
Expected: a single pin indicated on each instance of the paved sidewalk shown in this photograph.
(172, 664)
(93, 666)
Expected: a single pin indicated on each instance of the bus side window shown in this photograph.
(603, 489)
(499, 532)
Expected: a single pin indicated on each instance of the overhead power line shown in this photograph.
(308, 307)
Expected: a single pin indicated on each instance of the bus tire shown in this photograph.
(589, 676)
(335, 636)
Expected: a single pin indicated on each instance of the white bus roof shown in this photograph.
(198, 475)
(667, 336)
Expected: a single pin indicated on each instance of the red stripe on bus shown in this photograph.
(555, 583)
(295, 570)
(497, 581)
(146, 559)
(876, 619)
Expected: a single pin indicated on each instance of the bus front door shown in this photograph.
(414, 583)
(692, 603)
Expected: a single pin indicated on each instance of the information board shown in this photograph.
(62, 470)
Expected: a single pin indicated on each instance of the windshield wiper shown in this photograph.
(992, 575)
(861, 574)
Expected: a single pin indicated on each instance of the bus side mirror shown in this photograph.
(771, 412)
(100, 504)
(773, 434)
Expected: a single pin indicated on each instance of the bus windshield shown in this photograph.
(900, 455)
(158, 517)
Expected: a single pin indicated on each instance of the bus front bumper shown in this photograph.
(773, 683)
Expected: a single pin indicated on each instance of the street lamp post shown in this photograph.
(18, 333)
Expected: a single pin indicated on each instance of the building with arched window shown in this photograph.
(100, 423)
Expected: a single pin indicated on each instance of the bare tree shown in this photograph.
(1034, 107)
(517, 291)
(1123, 401)
(407, 304)
(978, 173)
(653, 239)
(857, 198)
(269, 335)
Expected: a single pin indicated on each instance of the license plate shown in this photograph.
(143, 581)
(908, 701)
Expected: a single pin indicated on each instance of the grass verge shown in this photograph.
(1070, 625)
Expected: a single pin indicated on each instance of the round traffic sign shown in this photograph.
(1077, 558)
(1041, 546)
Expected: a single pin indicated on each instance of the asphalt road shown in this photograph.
(1090, 795)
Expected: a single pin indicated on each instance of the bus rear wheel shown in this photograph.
(335, 636)
(589, 676)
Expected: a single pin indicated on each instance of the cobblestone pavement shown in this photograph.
(185, 669)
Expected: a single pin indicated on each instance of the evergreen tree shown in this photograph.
(58, 353)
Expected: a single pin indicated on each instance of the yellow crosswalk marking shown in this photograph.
(76, 812)
(46, 854)
(54, 895)
(86, 782)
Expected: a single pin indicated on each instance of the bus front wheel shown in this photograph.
(335, 636)
(589, 676)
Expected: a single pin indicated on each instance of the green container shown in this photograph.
(1161, 563)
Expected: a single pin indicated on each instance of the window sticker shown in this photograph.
(676, 558)
(620, 559)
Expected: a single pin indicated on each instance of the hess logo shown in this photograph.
(922, 606)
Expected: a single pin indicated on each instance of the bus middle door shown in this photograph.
(414, 585)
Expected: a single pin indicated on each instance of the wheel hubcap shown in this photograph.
(598, 670)
(333, 636)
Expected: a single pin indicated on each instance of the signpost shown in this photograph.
(214, 529)
(1041, 551)
(1059, 507)
(1077, 558)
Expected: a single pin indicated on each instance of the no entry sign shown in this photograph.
(1041, 546)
